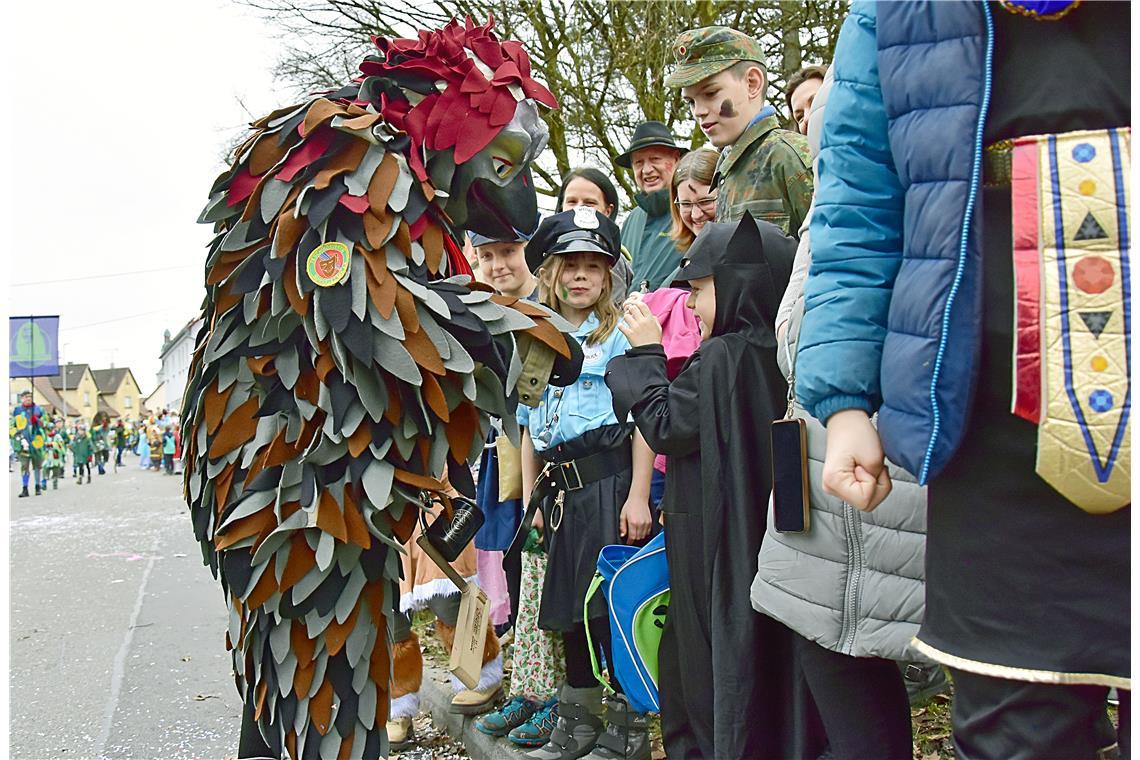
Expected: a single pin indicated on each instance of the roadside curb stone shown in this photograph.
(435, 698)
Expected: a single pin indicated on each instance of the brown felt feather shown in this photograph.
(345, 161)
(320, 707)
(235, 430)
(380, 187)
(354, 521)
(265, 154)
(319, 112)
(329, 517)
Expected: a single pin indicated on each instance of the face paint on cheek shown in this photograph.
(727, 110)
(565, 293)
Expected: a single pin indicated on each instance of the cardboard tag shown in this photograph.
(470, 627)
(470, 636)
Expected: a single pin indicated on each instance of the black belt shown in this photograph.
(569, 475)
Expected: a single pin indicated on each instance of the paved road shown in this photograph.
(117, 629)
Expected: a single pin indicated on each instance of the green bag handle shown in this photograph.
(595, 584)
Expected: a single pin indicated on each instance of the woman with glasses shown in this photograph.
(692, 199)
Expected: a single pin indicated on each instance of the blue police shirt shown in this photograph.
(569, 412)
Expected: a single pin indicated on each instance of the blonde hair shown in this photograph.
(696, 166)
(550, 272)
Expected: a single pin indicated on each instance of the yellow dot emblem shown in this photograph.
(328, 264)
(1087, 187)
(1099, 364)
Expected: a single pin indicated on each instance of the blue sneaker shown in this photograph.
(510, 716)
(536, 731)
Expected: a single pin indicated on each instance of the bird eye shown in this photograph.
(501, 166)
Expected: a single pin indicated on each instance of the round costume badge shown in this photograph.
(586, 218)
(328, 264)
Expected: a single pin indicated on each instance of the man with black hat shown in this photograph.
(651, 156)
(762, 169)
(726, 680)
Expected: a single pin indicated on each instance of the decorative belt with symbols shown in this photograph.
(1072, 358)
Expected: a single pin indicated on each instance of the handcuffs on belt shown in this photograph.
(565, 469)
(541, 489)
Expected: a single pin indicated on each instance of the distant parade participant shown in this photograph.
(142, 446)
(55, 455)
(27, 435)
(121, 432)
(99, 442)
(82, 451)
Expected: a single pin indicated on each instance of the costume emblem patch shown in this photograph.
(328, 264)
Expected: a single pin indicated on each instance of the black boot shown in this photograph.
(24, 492)
(627, 733)
(38, 489)
(578, 725)
(924, 681)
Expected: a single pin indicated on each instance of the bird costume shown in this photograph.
(346, 367)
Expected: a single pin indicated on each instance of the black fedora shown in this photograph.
(648, 133)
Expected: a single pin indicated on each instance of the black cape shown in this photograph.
(727, 680)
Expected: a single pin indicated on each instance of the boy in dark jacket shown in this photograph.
(729, 693)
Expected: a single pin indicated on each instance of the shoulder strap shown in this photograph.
(595, 584)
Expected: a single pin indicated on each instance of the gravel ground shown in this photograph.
(432, 743)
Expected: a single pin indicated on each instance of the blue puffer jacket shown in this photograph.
(892, 318)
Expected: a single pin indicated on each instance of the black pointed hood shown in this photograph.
(750, 279)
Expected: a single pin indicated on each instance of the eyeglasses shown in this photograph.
(706, 204)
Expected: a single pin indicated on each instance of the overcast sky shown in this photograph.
(116, 119)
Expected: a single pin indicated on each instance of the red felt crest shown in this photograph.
(470, 110)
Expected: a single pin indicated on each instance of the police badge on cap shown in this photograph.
(581, 230)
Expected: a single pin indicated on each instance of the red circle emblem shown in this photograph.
(1093, 274)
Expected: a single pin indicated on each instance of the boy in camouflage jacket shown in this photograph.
(762, 169)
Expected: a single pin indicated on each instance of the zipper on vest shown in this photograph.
(854, 579)
(963, 242)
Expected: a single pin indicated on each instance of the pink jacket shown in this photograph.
(679, 333)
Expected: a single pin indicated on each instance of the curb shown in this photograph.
(435, 698)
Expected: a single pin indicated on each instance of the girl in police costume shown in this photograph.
(594, 471)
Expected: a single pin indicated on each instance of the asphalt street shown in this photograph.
(117, 629)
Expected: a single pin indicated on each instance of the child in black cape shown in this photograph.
(728, 685)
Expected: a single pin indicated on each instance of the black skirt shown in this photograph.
(590, 519)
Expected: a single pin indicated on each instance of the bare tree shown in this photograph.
(605, 60)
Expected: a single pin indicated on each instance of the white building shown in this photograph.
(176, 353)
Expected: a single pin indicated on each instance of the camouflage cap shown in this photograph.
(701, 53)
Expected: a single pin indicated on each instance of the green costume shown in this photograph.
(81, 447)
(55, 455)
(27, 436)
